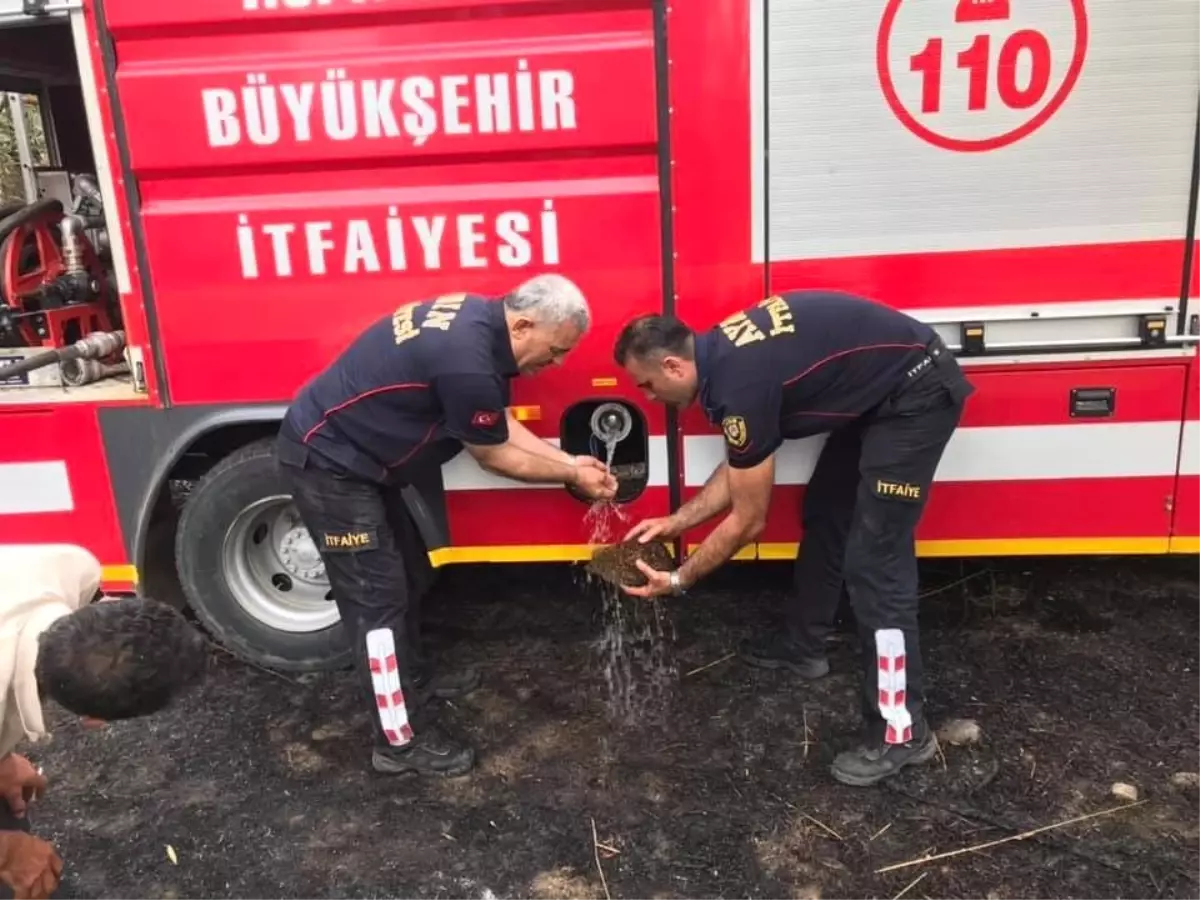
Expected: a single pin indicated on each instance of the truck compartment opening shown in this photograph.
(590, 426)
(62, 326)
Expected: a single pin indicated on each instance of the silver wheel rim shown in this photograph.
(274, 571)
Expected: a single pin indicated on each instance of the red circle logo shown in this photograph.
(974, 75)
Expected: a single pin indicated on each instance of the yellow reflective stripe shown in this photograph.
(124, 574)
(1072, 546)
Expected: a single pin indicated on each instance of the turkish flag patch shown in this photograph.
(483, 419)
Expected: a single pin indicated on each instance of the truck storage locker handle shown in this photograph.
(1093, 403)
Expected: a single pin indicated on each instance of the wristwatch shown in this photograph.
(677, 588)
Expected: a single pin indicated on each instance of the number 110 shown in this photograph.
(977, 59)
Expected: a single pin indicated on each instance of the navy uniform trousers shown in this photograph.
(378, 569)
(860, 514)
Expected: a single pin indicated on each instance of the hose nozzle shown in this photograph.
(611, 423)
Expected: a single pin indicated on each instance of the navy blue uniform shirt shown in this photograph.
(802, 363)
(410, 390)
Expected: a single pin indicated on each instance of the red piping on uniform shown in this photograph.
(842, 353)
(425, 440)
(809, 412)
(355, 399)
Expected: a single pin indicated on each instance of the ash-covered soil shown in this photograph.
(1079, 674)
(617, 563)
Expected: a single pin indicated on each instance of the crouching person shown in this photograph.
(102, 661)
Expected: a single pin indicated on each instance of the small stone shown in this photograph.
(1186, 781)
(960, 732)
(302, 759)
(1123, 791)
(328, 732)
(563, 884)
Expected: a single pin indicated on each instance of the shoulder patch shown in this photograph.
(485, 419)
(735, 431)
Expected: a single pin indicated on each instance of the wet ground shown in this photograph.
(1079, 675)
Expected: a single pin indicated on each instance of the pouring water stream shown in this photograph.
(633, 649)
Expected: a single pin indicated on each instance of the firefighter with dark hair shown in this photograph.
(103, 661)
(409, 394)
(889, 395)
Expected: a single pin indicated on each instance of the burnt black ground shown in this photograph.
(1080, 673)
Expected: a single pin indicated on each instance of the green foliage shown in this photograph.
(12, 187)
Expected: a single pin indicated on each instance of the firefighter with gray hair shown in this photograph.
(406, 396)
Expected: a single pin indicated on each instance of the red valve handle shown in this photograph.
(16, 285)
(52, 327)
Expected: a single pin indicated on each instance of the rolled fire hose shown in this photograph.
(14, 217)
(78, 372)
(95, 346)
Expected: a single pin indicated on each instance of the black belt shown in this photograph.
(297, 454)
(936, 355)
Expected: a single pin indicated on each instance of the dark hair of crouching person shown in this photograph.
(119, 659)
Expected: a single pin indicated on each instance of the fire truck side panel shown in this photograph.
(132, 16)
(105, 124)
(905, 176)
(1011, 200)
(1185, 531)
(1022, 475)
(54, 484)
(144, 446)
(712, 88)
(305, 172)
(55, 481)
(286, 326)
(713, 85)
(391, 92)
(988, 279)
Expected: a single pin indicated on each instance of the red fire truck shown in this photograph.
(232, 189)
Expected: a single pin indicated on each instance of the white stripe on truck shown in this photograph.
(35, 487)
(1003, 453)
(464, 474)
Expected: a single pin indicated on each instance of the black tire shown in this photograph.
(243, 478)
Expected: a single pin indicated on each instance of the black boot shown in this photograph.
(780, 652)
(430, 752)
(875, 759)
(447, 685)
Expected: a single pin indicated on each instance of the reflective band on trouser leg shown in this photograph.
(889, 651)
(385, 679)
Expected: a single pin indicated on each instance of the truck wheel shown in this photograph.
(251, 571)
